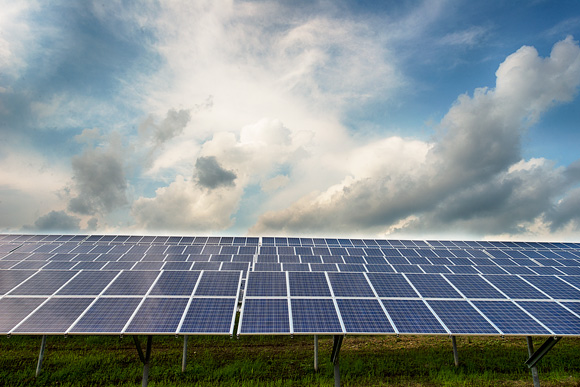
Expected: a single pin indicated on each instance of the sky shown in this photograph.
(449, 119)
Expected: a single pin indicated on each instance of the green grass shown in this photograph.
(285, 361)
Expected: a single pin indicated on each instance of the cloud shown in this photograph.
(55, 221)
(172, 126)
(471, 178)
(469, 37)
(99, 176)
(211, 175)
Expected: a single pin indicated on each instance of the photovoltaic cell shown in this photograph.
(308, 284)
(54, 317)
(265, 316)
(209, 315)
(266, 284)
(554, 316)
(13, 310)
(363, 316)
(413, 317)
(461, 318)
(510, 319)
(315, 316)
(158, 315)
(107, 315)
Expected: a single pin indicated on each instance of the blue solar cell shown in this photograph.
(559, 320)
(175, 283)
(375, 260)
(347, 267)
(544, 270)
(13, 310)
(363, 316)
(265, 316)
(391, 285)
(178, 266)
(515, 287)
(220, 258)
(510, 319)
(380, 269)
(572, 271)
(320, 251)
(432, 285)
(266, 284)
(315, 316)
(218, 283)
(88, 283)
(55, 316)
(350, 285)
(107, 315)
(413, 316)
(117, 266)
(158, 315)
(518, 270)
(461, 318)
(332, 259)
(155, 266)
(308, 284)
(267, 258)
(210, 315)
(397, 260)
(44, 283)
(35, 265)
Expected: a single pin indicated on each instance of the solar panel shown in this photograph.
(43, 283)
(265, 316)
(474, 287)
(53, 317)
(88, 283)
(175, 283)
(158, 315)
(266, 284)
(514, 287)
(364, 316)
(432, 285)
(554, 287)
(106, 315)
(391, 285)
(210, 316)
(312, 316)
(413, 317)
(554, 316)
(350, 285)
(308, 284)
(132, 283)
(223, 283)
(13, 310)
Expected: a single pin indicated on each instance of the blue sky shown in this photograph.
(414, 119)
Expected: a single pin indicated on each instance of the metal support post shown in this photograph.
(334, 358)
(535, 376)
(315, 352)
(41, 355)
(184, 360)
(542, 351)
(144, 358)
(455, 355)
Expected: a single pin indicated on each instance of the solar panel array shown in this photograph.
(112, 284)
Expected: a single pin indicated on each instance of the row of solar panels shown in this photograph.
(316, 267)
(283, 241)
(170, 302)
(149, 249)
(382, 303)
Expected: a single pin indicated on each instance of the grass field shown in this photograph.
(285, 361)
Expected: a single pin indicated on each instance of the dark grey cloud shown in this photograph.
(211, 175)
(55, 221)
(99, 179)
(473, 178)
